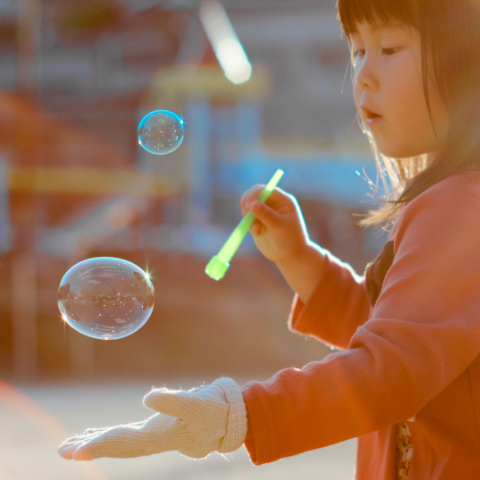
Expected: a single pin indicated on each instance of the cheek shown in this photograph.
(439, 112)
(407, 99)
(357, 93)
(414, 111)
(410, 99)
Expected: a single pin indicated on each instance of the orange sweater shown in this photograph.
(415, 353)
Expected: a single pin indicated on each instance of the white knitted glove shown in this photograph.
(195, 422)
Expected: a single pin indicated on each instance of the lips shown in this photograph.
(369, 113)
(370, 116)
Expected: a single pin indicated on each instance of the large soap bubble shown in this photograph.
(160, 132)
(106, 298)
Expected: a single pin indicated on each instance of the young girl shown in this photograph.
(407, 381)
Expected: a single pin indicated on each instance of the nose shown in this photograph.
(365, 76)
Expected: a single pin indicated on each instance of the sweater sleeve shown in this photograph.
(423, 332)
(338, 306)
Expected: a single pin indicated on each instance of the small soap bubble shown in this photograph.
(106, 298)
(160, 132)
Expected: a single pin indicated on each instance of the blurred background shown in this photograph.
(76, 77)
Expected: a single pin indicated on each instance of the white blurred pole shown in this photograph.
(226, 45)
(24, 315)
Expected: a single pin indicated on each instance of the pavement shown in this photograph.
(35, 418)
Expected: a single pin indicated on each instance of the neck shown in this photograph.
(431, 156)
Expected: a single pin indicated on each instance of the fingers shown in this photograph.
(190, 406)
(123, 441)
(279, 200)
(265, 214)
(69, 447)
(250, 196)
(279, 208)
(175, 403)
(89, 431)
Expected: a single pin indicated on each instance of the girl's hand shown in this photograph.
(280, 234)
(195, 422)
(278, 230)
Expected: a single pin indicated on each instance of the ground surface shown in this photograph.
(35, 418)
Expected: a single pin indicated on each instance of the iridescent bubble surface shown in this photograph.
(160, 132)
(106, 298)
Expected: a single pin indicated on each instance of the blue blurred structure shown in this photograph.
(4, 216)
(217, 168)
(226, 157)
(69, 144)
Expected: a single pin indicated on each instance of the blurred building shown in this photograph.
(75, 79)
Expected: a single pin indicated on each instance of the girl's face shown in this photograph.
(388, 91)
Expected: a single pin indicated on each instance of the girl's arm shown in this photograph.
(331, 300)
(423, 333)
(338, 305)
(304, 272)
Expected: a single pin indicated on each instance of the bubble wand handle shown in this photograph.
(218, 265)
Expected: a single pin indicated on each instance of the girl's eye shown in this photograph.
(386, 51)
(390, 51)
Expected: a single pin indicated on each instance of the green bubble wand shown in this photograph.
(218, 265)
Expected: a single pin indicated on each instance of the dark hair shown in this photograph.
(450, 46)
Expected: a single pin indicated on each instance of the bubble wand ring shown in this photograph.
(218, 265)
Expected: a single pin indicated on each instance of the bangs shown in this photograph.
(376, 12)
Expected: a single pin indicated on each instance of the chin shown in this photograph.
(398, 153)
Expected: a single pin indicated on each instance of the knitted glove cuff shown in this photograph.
(237, 416)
